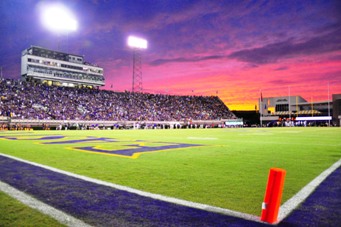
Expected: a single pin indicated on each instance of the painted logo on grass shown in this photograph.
(106, 146)
(135, 150)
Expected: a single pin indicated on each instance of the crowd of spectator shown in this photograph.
(29, 100)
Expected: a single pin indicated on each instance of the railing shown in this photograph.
(63, 79)
(125, 124)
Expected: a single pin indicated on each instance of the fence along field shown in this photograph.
(226, 168)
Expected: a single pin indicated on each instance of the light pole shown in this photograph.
(137, 44)
(328, 106)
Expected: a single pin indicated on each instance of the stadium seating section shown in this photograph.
(27, 100)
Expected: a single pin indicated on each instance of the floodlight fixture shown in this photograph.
(58, 18)
(136, 42)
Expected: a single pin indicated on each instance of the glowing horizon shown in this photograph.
(198, 48)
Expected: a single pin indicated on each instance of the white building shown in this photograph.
(296, 107)
(58, 68)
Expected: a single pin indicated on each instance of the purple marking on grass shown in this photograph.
(49, 138)
(137, 149)
(8, 137)
(40, 138)
(89, 139)
(105, 206)
(322, 208)
(100, 205)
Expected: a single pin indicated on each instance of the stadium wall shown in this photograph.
(16, 124)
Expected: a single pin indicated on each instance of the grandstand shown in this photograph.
(58, 68)
(28, 102)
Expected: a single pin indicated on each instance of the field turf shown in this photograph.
(227, 168)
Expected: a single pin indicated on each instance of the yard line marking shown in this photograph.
(147, 194)
(303, 194)
(26, 199)
(280, 143)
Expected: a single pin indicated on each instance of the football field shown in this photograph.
(226, 168)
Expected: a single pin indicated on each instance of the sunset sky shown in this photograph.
(234, 49)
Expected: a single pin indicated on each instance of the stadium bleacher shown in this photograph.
(24, 100)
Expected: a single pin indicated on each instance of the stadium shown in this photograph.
(73, 153)
(66, 94)
(66, 107)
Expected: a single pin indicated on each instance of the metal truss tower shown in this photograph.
(137, 71)
(137, 44)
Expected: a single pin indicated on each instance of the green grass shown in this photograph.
(14, 213)
(230, 170)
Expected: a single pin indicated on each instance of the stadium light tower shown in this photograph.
(137, 44)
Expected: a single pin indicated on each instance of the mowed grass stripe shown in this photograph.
(229, 172)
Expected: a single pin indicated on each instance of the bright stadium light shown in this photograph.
(57, 18)
(136, 42)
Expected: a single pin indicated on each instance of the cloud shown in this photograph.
(162, 61)
(281, 68)
(271, 53)
(335, 58)
(280, 82)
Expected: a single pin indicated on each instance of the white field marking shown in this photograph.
(202, 138)
(281, 143)
(303, 194)
(147, 194)
(26, 199)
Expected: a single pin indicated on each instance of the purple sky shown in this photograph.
(233, 49)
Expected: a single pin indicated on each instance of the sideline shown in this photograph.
(284, 211)
(200, 206)
(292, 203)
(26, 199)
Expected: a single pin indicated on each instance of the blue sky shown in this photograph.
(233, 49)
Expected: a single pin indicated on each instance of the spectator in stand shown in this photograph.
(27, 100)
